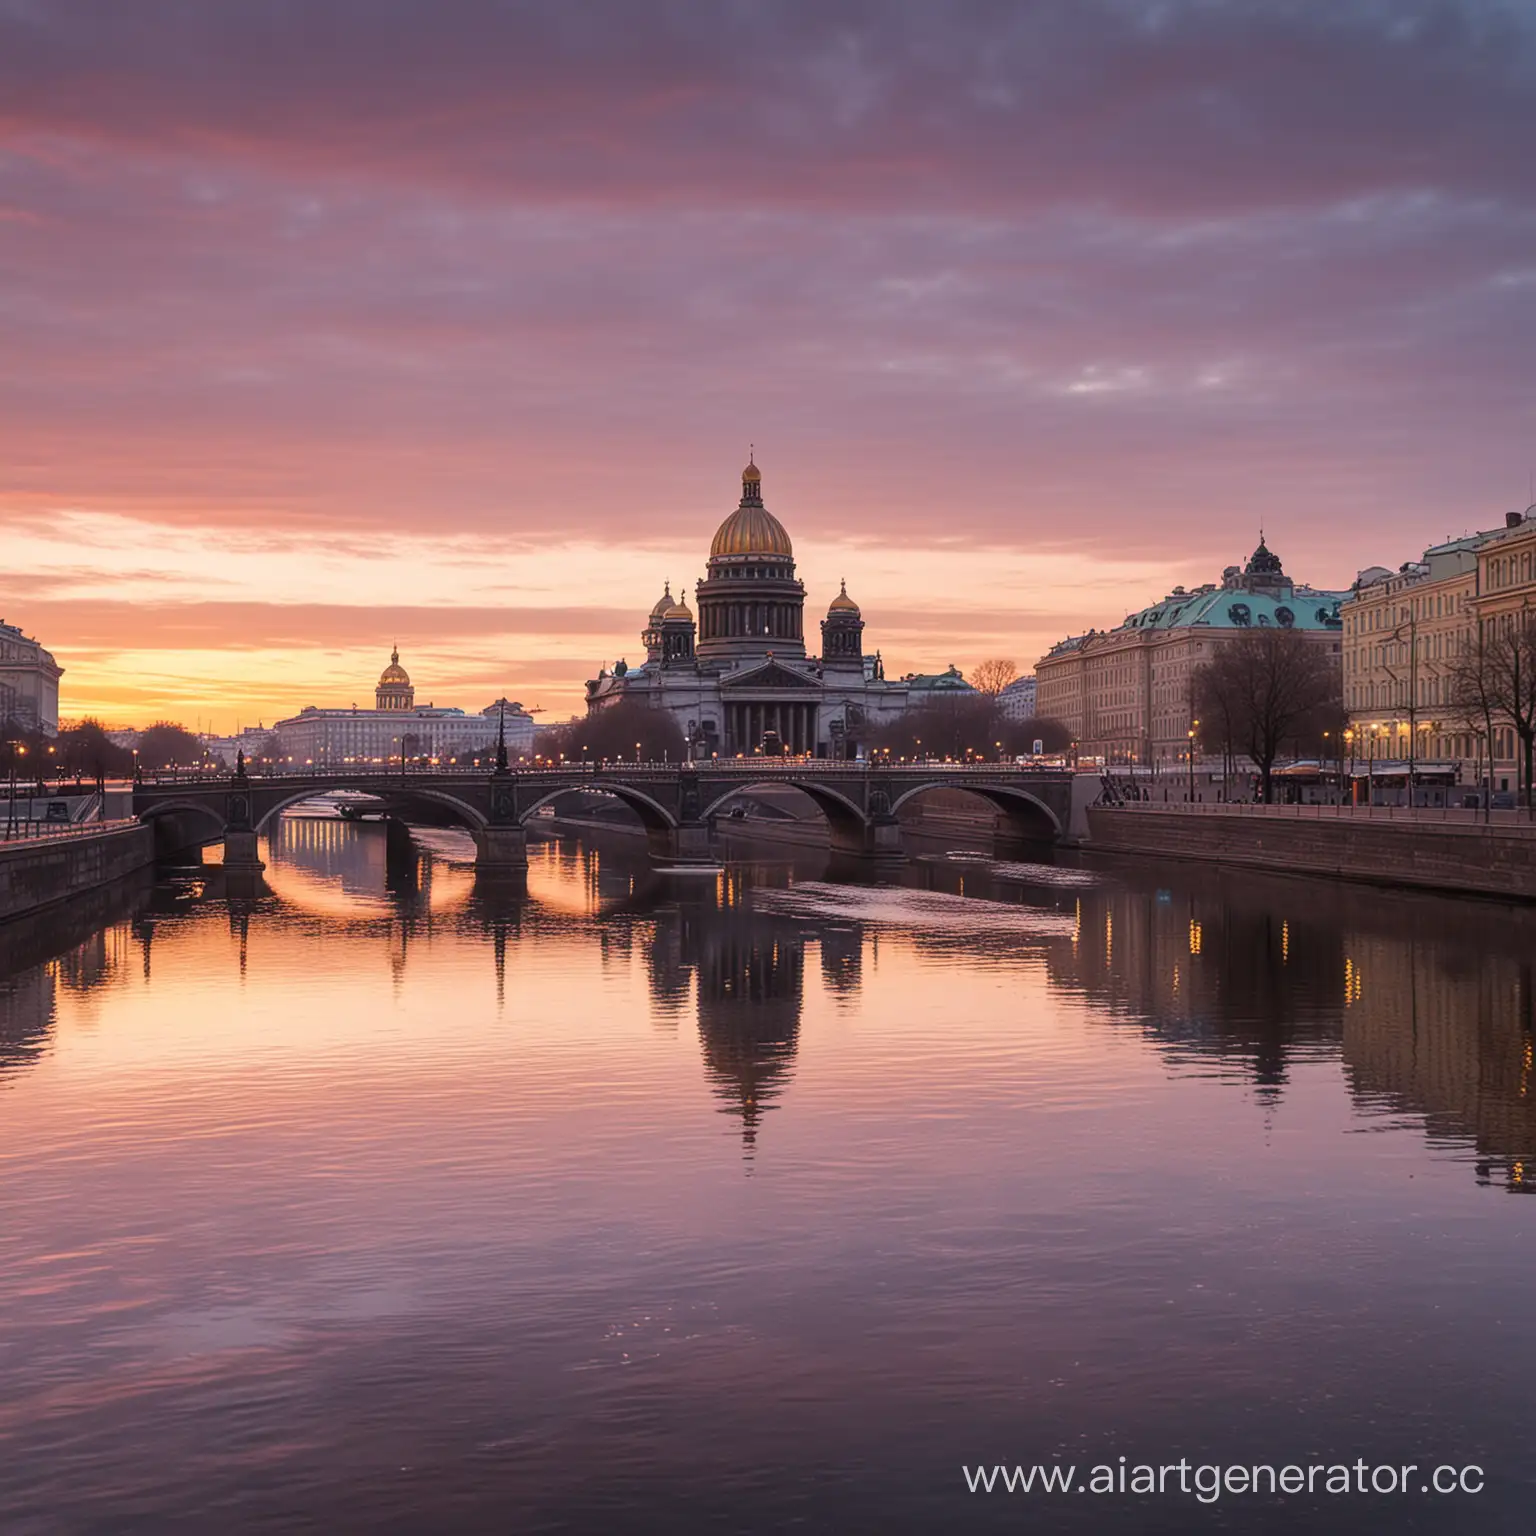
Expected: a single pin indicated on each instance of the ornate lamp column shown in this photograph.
(239, 828)
(501, 845)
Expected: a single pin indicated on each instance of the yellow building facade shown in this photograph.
(1403, 633)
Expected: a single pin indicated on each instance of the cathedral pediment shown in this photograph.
(770, 675)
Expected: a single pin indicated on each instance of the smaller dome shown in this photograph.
(842, 603)
(662, 603)
(1263, 561)
(679, 611)
(394, 672)
(751, 472)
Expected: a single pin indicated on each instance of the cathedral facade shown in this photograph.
(737, 676)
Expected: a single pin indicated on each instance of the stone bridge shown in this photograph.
(676, 803)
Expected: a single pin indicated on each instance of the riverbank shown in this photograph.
(36, 873)
(1465, 857)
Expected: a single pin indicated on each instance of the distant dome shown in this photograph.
(842, 603)
(1263, 561)
(752, 530)
(394, 675)
(664, 602)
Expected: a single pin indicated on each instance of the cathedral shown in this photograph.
(736, 676)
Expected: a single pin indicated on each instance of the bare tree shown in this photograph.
(165, 743)
(1268, 687)
(1472, 693)
(991, 677)
(627, 729)
(1511, 666)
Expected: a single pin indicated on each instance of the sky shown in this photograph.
(332, 324)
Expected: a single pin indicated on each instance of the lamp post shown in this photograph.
(1411, 626)
(1195, 726)
(1349, 738)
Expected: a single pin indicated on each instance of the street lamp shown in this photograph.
(1195, 725)
(10, 818)
(1349, 739)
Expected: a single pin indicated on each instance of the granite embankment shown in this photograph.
(1427, 854)
(37, 872)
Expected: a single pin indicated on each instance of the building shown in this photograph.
(1017, 701)
(227, 749)
(1403, 633)
(29, 684)
(1506, 596)
(1125, 693)
(738, 678)
(398, 727)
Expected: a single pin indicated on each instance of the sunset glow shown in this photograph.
(450, 324)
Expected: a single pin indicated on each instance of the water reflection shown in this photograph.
(1427, 1004)
(365, 1168)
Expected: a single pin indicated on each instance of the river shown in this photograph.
(755, 1201)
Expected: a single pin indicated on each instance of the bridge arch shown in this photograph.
(1029, 816)
(181, 826)
(841, 812)
(389, 795)
(654, 816)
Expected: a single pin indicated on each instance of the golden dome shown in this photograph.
(394, 673)
(842, 603)
(680, 610)
(751, 530)
(751, 472)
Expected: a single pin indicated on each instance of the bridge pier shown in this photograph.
(877, 841)
(240, 851)
(501, 850)
(685, 844)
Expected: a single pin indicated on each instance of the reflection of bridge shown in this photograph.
(675, 803)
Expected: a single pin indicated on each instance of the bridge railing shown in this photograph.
(375, 773)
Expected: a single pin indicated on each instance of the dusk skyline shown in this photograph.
(333, 326)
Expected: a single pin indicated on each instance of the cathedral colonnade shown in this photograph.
(747, 722)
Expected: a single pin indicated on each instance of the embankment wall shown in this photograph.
(38, 873)
(1425, 854)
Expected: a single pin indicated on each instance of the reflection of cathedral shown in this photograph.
(737, 678)
(751, 989)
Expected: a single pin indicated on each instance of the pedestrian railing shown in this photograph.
(26, 830)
